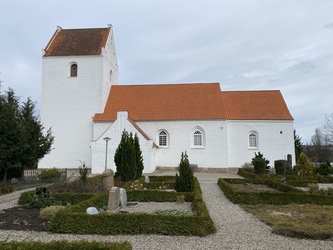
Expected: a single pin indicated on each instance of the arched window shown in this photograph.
(253, 139)
(73, 72)
(197, 139)
(163, 139)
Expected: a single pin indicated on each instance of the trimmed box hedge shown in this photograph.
(63, 198)
(273, 198)
(75, 220)
(56, 245)
(312, 178)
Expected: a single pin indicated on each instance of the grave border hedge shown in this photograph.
(272, 198)
(311, 178)
(55, 245)
(75, 220)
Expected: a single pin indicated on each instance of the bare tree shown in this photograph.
(327, 128)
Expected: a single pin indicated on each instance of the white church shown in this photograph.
(88, 111)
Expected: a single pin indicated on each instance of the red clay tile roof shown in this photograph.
(203, 101)
(68, 42)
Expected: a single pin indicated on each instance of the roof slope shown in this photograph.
(256, 105)
(203, 101)
(68, 42)
(164, 102)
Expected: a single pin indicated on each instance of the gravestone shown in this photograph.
(108, 181)
(122, 197)
(114, 200)
(147, 178)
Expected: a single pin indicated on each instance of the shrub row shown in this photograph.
(300, 183)
(271, 183)
(59, 198)
(273, 198)
(75, 220)
(316, 178)
(55, 245)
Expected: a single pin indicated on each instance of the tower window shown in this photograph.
(73, 70)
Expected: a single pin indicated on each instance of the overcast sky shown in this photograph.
(243, 45)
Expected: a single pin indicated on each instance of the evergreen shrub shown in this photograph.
(281, 167)
(128, 158)
(184, 182)
(259, 165)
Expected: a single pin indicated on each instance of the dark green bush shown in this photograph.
(282, 167)
(324, 169)
(56, 245)
(184, 182)
(259, 165)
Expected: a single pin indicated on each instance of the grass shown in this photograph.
(301, 221)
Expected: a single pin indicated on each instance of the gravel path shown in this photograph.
(236, 229)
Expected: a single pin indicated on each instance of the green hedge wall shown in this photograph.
(56, 245)
(246, 174)
(75, 220)
(313, 178)
(64, 198)
(273, 198)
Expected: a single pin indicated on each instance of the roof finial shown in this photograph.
(110, 25)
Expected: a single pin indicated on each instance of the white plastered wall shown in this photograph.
(114, 131)
(275, 141)
(69, 103)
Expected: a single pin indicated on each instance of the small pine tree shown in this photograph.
(259, 163)
(185, 180)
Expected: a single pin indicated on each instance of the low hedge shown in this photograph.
(55, 245)
(63, 198)
(313, 178)
(75, 220)
(273, 198)
(300, 183)
(246, 174)
(271, 183)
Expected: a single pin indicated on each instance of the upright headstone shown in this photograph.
(114, 201)
(123, 197)
(146, 178)
(108, 181)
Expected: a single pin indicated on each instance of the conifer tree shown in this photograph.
(22, 140)
(185, 180)
(125, 158)
(138, 156)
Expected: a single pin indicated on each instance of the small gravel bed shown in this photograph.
(144, 207)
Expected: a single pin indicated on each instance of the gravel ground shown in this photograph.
(236, 229)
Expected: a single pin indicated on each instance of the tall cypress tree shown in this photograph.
(138, 157)
(124, 158)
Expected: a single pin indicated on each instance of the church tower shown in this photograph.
(79, 66)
